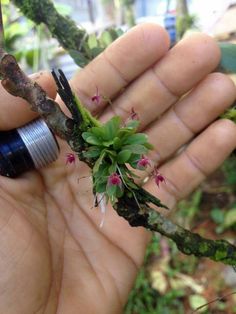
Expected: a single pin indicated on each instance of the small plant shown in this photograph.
(111, 150)
(114, 148)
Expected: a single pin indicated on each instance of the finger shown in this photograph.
(180, 69)
(15, 111)
(190, 115)
(120, 63)
(203, 156)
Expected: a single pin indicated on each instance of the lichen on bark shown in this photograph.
(186, 241)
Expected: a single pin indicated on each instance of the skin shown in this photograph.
(54, 258)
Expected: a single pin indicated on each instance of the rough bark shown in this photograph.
(134, 207)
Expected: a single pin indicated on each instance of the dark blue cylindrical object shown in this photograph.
(30, 147)
(14, 156)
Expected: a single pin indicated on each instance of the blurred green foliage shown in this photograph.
(94, 45)
(229, 170)
(224, 219)
(144, 299)
(36, 50)
(16, 28)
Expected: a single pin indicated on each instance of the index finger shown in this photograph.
(123, 61)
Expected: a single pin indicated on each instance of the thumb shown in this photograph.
(15, 111)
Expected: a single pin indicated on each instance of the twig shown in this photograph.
(141, 214)
(213, 301)
(135, 209)
(18, 84)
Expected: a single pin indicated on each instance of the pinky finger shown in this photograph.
(199, 159)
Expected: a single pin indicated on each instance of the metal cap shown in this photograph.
(40, 142)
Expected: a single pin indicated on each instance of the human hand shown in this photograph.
(54, 258)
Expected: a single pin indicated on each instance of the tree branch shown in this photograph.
(18, 84)
(134, 205)
(62, 28)
(186, 241)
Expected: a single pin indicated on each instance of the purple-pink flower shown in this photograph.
(97, 97)
(133, 115)
(158, 177)
(70, 158)
(143, 162)
(114, 179)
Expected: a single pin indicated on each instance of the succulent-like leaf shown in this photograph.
(123, 156)
(136, 149)
(111, 127)
(132, 124)
(101, 187)
(99, 162)
(92, 139)
(112, 168)
(117, 143)
(138, 138)
(92, 152)
(99, 132)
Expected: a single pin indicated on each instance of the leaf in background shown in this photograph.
(96, 51)
(119, 32)
(79, 58)
(159, 281)
(92, 41)
(228, 57)
(217, 215)
(230, 218)
(63, 9)
(94, 46)
(196, 301)
(106, 38)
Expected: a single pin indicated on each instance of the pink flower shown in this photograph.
(97, 97)
(70, 158)
(158, 177)
(133, 115)
(143, 162)
(114, 179)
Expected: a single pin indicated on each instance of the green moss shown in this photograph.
(153, 217)
(186, 250)
(203, 248)
(220, 255)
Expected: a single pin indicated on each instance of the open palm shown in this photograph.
(54, 257)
